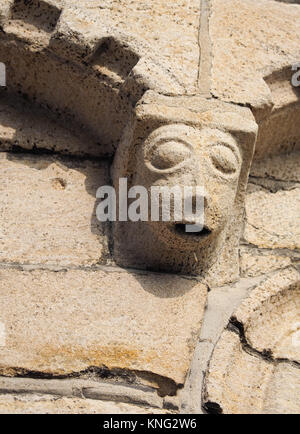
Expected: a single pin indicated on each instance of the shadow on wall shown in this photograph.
(35, 139)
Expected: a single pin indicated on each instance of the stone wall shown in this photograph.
(117, 318)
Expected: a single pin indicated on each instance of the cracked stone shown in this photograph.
(271, 316)
(240, 383)
(59, 323)
(255, 364)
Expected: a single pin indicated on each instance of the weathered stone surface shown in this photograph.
(181, 90)
(253, 263)
(278, 168)
(65, 322)
(268, 224)
(243, 53)
(87, 387)
(45, 404)
(254, 47)
(270, 316)
(255, 365)
(176, 47)
(283, 391)
(221, 303)
(28, 126)
(47, 210)
(240, 383)
(232, 378)
(273, 188)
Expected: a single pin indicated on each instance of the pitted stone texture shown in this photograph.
(47, 210)
(255, 365)
(58, 323)
(24, 125)
(250, 40)
(254, 48)
(240, 383)
(278, 168)
(233, 377)
(176, 47)
(185, 142)
(256, 263)
(273, 189)
(283, 391)
(32, 20)
(44, 404)
(270, 317)
(268, 224)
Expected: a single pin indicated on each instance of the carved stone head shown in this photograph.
(186, 143)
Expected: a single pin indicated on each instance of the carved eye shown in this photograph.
(168, 155)
(224, 159)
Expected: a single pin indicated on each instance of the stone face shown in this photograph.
(212, 149)
(43, 404)
(68, 321)
(47, 211)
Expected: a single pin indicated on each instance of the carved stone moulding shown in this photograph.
(89, 75)
(255, 365)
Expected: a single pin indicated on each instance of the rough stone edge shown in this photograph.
(85, 389)
(164, 82)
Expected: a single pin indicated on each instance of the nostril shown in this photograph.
(180, 228)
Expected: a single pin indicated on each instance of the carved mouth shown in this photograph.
(180, 228)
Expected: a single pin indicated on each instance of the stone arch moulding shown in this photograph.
(254, 367)
(279, 122)
(92, 78)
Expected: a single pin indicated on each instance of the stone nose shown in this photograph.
(194, 206)
(195, 196)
